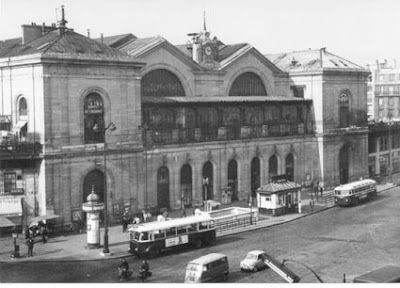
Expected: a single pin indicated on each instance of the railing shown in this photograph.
(155, 137)
(235, 222)
(20, 149)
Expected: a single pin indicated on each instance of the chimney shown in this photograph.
(88, 33)
(33, 31)
(102, 38)
(62, 23)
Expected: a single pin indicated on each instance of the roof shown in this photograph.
(356, 184)
(275, 187)
(162, 225)
(141, 45)
(309, 60)
(207, 258)
(386, 274)
(256, 252)
(66, 43)
(116, 41)
(220, 99)
(228, 50)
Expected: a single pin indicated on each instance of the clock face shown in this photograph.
(208, 50)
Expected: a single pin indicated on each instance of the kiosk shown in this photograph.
(92, 207)
(279, 197)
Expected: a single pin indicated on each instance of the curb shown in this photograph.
(232, 233)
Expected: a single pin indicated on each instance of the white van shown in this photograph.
(209, 268)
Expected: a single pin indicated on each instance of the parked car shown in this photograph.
(254, 261)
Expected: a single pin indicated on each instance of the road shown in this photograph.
(339, 240)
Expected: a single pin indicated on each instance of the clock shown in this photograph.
(208, 50)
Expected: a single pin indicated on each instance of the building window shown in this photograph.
(383, 143)
(161, 82)
(94, 119)
(22, 108)
(10, 182)
(371, 144)
(248, 84)
(391, 77)
(344, 109)
(380, 102)
(297, 91)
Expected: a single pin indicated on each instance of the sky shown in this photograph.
(358, 30)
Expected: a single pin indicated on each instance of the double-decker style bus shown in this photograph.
(150, 239)
(351, 193)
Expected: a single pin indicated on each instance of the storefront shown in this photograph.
(10, 213)
(280, 197)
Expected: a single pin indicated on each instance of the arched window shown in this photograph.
(290, 167)
(255, 175)
(273, 166)
(186, 185)
(22, 108)
(344, 109)
(161, 82)
(248, 84)
(208, 193)
(94, 180)
(94, 119)
(233, 178)
(163, 188)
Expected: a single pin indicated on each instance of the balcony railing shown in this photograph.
(20, 149)
(159, 137)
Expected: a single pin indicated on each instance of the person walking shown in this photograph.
(321, 190)
(43, 232)
(316, 190)
(30, 243)
(125, 220)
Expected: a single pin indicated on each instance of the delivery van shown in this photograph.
(209, 268)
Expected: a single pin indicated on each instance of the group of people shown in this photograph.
(124, 272)
(32, 231)
(126, 219)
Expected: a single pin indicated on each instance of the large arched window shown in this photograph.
(22, 108)
(186, 185)
(290, 167)
(163, 188)
(273, 166)
(233, 178)
(161, 82)
(248, 84)
(94, 119)
(344, 109)
(255, 175)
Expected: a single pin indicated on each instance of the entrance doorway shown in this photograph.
(290, 167)
(255, 176)
(208, 173)
(233, 179)
(273, 167)
(163, 188)
(344, 164)
(186, 185)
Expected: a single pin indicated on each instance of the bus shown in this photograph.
(351, 193)
(150, 239)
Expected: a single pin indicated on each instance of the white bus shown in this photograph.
(150, 239)
(351, 193)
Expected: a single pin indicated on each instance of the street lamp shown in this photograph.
(96, 128)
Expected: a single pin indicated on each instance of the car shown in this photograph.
(253, 261)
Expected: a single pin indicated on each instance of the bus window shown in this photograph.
(144, 236)
(136, 236)
(181, 230)
(171, 231)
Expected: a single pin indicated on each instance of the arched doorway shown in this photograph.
(208, 173)
(344, 164)
(289, 167)
(255, 176)
(93, 180)
(273, 166)
(186, 185)
(233, 179)
(163, 188)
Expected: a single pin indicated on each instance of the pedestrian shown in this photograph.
(312, 204)
(183, 213)
(125, 219)
(30, 243)
(146, 215)
(43, 232)
(316, 190)
(321, 190)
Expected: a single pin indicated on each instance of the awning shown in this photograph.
(220, 99)
(20, 124)
(10, 206)
(10, 221)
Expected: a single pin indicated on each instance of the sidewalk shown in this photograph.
(73, 247)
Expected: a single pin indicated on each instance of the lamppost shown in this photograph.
(96, 128)
(251, 208)
(205, 183)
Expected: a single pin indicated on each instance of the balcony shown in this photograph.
(20, 150)
(160, 137)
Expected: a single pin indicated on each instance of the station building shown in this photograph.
(193, 122)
